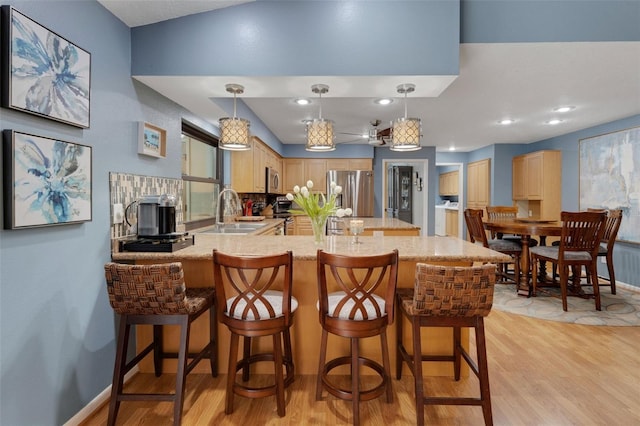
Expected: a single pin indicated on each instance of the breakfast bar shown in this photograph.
(306, 331)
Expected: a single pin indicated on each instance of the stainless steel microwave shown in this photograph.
(273, 181)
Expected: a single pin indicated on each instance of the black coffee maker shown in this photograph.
(157, 216)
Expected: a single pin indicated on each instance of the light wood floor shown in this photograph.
(541, 373)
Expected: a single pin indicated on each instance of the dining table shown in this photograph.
(525, 228)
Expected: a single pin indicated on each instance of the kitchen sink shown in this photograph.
(234, 228)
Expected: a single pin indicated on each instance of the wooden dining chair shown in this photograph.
(254, 298)
(509, 213)
(611, 227)
(478, 235)
(578, 246)
(447, 296)
(157, 295)
(362, 306)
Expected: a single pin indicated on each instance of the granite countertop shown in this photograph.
(420, 249)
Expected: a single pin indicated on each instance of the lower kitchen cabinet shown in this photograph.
(451, 220)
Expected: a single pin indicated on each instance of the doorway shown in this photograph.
(419, 191)
(452, 166)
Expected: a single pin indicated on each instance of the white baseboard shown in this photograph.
(627, 286)
(97, 402)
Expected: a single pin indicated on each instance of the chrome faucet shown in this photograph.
(232, 206)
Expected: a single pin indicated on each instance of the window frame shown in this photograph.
(201, 135)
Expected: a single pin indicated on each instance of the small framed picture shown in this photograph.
(43, 73)
(152, 140)
(46, 181)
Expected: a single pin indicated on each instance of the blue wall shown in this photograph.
(57, 328)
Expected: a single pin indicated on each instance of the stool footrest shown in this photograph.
(346, 394)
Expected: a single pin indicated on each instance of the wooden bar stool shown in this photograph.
(254, 295)
(362, 307)
(447, 296)
(157, 295)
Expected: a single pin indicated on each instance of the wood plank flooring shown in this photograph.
(541, 373)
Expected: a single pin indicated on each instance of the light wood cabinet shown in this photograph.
(248, 168)
(259, 167)
(338, 164)
(448, 183)
(478, 184)
(451, 218)
(301, 225)
(537, 185)
(316, 169)
(297, 171)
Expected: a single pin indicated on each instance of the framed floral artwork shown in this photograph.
(46, 181)
(43, 73)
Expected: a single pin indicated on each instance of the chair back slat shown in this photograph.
(359, 277)
(146, 289)
(453, 290)
(501, 212)
(251, 281)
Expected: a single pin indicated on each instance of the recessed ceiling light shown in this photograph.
(302, 101)
(553, 122)
(564, 108)
(383, 101)
(506, 121)
(452, 148)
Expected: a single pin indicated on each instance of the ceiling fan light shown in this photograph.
(320, 135)
(405, 134)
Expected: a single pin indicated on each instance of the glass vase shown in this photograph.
(318, 224)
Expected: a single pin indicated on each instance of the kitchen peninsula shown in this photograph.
(306, 331)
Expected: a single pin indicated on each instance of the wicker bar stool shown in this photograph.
(257, 302)
(355, 312)
(157, 295)
(447, 296)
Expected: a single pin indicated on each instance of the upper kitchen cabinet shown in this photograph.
(248, 168)
(448, 183)
(297, 171)
(349, 164)
(536, 184)
(478, 184)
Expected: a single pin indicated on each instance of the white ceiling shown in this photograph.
(523, 81)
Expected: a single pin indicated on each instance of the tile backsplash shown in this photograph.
(126, 188)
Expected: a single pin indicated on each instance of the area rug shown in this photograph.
(621, 309)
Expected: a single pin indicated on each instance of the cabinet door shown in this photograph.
(484, 189)
(359, 164)
(478, 184)
(337, 164)
(242, 170)
(316, 170)
(293, 173)
(519, 180)
(259, 167)
(535, 180)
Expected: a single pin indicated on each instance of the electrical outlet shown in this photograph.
(603, 259)
(118, 213)
(530, 213)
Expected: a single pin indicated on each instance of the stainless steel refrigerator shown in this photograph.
(357, 194)
(400, 200)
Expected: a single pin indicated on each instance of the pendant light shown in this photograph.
(405, 132)
(320, 131)
(234, 132)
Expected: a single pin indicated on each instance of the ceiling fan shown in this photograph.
(375, 137)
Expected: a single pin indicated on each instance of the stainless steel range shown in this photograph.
(281, 209)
